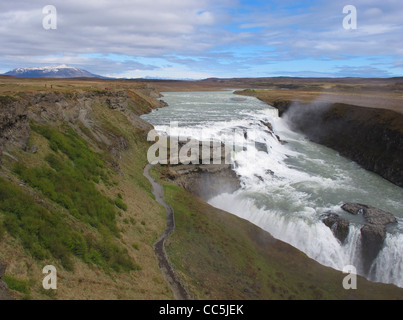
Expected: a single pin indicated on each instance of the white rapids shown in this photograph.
(286, 187)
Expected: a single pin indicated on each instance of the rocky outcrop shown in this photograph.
(339, 226)
(205, 181)
(14, 124)
(162, 104)
(371, 214)
(118, 101)
(201, 176)
(371, 137)
(76, 109)
(4, 295)
(282, 106)
(373, 232)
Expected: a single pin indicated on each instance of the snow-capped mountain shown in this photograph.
(61, 71)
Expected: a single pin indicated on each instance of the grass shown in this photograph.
(7, 99)
(74, 203)
(217, 254)
(120, 204)
(2, 231)
(220, 256)
(69, 179)
(19, 285)
(46, 235)
(42, 233)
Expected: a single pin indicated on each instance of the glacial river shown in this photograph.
(286, 187)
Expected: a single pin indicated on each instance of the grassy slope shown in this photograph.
(87, 274)
(217, 254)
(220, 256)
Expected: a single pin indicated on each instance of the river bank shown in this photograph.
(216, 254)
(287, 183)
(372, 137)
(73, 194)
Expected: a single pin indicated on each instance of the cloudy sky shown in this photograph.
(205, 38)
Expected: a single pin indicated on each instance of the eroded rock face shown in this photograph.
(205, 181)
(373, 233)
(14, 124)
(339, 226)
(76, 109)
(372, 238)
(371, 137)
(4, 295)
(201, 176)
(371, 214)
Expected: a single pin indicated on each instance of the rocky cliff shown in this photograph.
(75, 108)
(204, 176)
(371, 137)
(373, 231)
(72, 192)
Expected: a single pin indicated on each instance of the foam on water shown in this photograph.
(287, 187)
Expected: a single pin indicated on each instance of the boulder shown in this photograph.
(205, 181)
(339, 226)
(371, 214)
(372, 238)
(373, 233)
(353, 208)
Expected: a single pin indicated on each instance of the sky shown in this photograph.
(196, 39)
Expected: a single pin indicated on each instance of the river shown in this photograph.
(286, 187)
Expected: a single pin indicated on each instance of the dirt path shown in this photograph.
(178, 290)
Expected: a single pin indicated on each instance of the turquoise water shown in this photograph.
(287, 187)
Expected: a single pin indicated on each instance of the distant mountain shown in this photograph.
(61, 71)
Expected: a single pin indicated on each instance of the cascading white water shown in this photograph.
(302, 230)
(287, 187)
(388, 266)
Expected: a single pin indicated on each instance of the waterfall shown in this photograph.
(287, 181)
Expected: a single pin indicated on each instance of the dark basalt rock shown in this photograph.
(162, 104)
(373, 233)
(282, 106)
(14, 124)
(205, 181)
(371, 214)
(339, 226)
(202, 177)
(353, 208)
(371, 137)
(372, 238)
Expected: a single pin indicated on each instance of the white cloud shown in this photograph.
(209, 35)
(124, 27)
